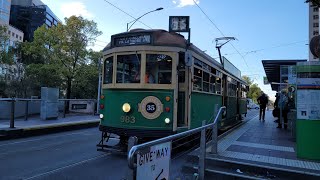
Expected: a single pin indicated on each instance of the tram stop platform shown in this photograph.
(257, 150)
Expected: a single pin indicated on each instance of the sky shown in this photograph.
(265, 30)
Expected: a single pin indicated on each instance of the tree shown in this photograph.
(6, 52)
(247, 80)
(64, 45)
(254, 89)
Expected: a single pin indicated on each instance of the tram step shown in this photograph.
(217, 167)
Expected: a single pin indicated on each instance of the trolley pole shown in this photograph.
(99, 85)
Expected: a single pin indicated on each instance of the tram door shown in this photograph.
(183, 92)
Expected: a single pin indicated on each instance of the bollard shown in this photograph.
(64, 109)
(202, 155)
(26, 111)
(12, 113)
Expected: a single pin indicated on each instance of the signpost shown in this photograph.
(154, 162)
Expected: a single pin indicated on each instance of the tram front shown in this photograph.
(138, 91)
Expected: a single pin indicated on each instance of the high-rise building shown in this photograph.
(5, 11)
(313, 26)
(29, 15)
(14, 71)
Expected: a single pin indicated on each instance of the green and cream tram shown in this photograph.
(150, 90)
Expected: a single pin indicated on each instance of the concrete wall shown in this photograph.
(34, 108)
(20, 109)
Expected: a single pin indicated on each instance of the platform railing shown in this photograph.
(213, 143)
(14, 100)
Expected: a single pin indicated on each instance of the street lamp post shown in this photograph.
(135, 20)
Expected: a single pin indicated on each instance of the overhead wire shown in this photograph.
(126, 13)
(220, 32)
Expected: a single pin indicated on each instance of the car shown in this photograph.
(253, 106)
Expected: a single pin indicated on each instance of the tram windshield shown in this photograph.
(128, 68)
(158, 69)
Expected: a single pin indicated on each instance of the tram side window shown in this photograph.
(108, 70)
(158, 69)
(197, 80)
(205, 81)
(128, 68)
(218, 85)
(212, 84)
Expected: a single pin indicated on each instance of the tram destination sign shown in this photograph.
(138, 39)
(154, 162)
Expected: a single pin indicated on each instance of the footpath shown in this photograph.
(35, 126)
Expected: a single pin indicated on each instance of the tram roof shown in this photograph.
(272, 69)
(160, 37)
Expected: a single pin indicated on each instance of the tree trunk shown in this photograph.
(68, 94)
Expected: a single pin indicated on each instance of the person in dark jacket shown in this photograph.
(263, 101)
(276, 108)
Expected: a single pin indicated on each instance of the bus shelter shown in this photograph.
(282, 76)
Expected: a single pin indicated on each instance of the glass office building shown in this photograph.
(29, 18)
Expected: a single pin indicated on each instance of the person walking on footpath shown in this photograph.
(283, 104)
(263, 101)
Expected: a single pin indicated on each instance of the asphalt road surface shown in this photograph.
(68, 155)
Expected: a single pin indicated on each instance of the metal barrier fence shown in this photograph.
(136, 149)
(26, 112)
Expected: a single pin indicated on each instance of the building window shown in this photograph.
(315, 9)
(315, 24)
(17, 36)
(315, 33)
(13, 34)
(20, 38)
(315, 16)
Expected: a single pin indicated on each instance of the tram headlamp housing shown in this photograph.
(167, 120)
(101, 116)
(126, 107)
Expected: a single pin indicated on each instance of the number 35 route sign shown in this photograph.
(154, 163)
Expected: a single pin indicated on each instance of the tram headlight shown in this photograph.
(126, 107)
(101, 116)
(167, 120)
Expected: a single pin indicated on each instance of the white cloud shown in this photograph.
(182, 3)
(75, 8)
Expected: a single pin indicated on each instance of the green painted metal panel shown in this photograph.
(243, 106)
(308, 139)
(203, 107)
(114, 99)
(231, 112)
(307, 68)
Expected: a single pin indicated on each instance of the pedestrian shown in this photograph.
(283, 105)
(276, 110)
(263, 101)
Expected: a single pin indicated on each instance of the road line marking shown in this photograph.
(65, 167)
(84, 133)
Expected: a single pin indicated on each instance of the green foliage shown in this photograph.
(254, 89)
(6, 56)
(247, 80)
(62, 51)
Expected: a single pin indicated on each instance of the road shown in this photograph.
(68, 155)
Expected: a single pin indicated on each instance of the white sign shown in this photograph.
(154, 162)
(308, 104)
